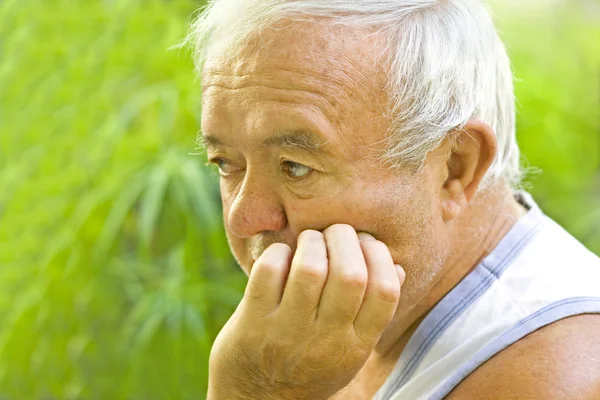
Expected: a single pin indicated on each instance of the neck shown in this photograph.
(494, 213)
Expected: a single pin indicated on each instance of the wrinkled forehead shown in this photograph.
(343, 61)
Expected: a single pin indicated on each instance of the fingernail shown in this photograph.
(401, 274)
(365, 236)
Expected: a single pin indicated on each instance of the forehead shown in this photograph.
(344, 63)
(311, 68)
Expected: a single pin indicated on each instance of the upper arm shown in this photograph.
(559, 361)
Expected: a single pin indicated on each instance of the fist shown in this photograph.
(308, 321)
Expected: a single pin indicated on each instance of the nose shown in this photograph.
(255, 209)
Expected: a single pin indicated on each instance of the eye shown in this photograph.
(294, 170)
(225, 167)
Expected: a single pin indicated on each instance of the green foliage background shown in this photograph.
(115, 275)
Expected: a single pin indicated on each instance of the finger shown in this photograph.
(382, 293)
(267, 278)
(307, 276)
(401, 275)
(347, 278)
(364, 236)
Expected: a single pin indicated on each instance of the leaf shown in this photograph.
(121, 208)
(201, 193)
(151, 205)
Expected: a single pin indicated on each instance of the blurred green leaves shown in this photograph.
(115, 275)
(555, 49)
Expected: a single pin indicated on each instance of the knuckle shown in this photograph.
(263, 266)
(367, 338)
(275, 256)
(354, 352)
(388, 292)
(312, 271)
(355, 280)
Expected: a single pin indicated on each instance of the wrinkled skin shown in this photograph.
(320, 297)
(312, 339)
(340, 100)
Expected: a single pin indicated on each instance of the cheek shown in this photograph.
(237, 245)
(229, 191)
(404, 218)
(319, 214)
(415, 237)
(226, 199)
(360, 205)
(226, 202)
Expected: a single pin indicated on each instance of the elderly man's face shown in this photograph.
(297, 127)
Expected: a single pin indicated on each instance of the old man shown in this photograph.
(369, 173)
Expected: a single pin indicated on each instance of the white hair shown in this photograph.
(446, 64)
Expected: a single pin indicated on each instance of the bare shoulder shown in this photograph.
(559, 361)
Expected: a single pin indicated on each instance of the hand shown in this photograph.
(308, 321)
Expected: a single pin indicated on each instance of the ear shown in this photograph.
(468, 153)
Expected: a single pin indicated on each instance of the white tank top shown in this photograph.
(538, 274)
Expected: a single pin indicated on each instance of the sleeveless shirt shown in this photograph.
(537, 275)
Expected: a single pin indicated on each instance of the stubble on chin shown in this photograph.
(420, 278)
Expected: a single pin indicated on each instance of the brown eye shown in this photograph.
(295, 170)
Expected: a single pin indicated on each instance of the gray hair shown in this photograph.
(447, 65)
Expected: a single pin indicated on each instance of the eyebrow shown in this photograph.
(207, 141)
(292, 138)
(299, 139)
